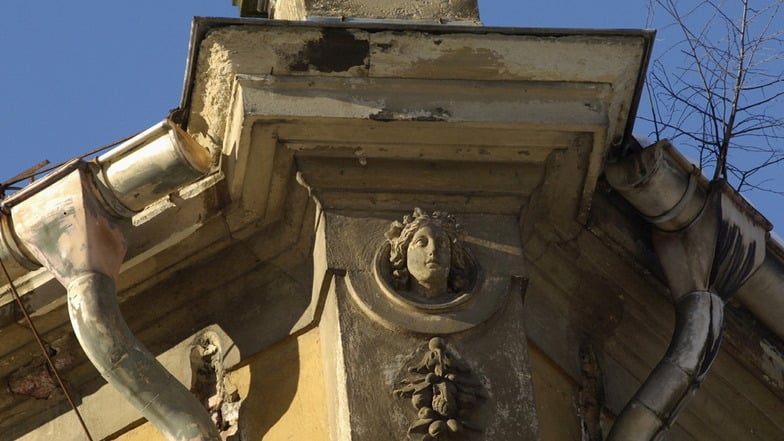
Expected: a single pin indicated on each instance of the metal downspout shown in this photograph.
(71, 223)
(709, 241)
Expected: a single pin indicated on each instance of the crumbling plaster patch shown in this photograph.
(229, 51)
(448, 10)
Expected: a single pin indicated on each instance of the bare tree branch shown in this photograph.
(726, 99)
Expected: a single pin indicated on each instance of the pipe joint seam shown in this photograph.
(126, 364)
(681, 205)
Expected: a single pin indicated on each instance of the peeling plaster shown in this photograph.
(772, 364)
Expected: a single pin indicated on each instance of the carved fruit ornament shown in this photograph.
(443, 390)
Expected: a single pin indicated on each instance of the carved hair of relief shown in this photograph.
(428, 257)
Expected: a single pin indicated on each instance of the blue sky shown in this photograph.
(78, 75)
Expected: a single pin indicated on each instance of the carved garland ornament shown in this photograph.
(443, 390)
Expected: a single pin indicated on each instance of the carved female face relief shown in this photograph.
(424, 277)
(428, 260)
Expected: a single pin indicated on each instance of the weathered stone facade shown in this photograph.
(405, 233)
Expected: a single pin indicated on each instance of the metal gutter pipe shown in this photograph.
(73, 223)
(709, 241)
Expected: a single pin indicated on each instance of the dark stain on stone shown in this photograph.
(383, 115)
(591, 394)
(338, 50)
(473, 62)
(436, 114)
(35, 379)
(385, 47)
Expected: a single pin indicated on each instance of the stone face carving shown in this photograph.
(443, 390)
(424, 273)
(428, 264)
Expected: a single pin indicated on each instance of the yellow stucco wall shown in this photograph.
(554, 392)
(284, 399)
(283, 391)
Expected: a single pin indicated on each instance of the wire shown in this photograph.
(56, 166)
(44, 351)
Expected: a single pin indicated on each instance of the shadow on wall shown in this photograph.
(252, 401)
(268, 381)
(273, 379)
(284, 393)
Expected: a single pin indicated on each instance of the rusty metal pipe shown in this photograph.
(662, 186)
(709, 241)
(150, 165)
(694, 345)
(73, 227)
(128, 366)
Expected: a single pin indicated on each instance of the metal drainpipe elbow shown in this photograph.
(709, 241)
(129, 367)
(71, 222)
(694, 345)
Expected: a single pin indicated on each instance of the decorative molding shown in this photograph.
(443, 390)
(398, 283)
